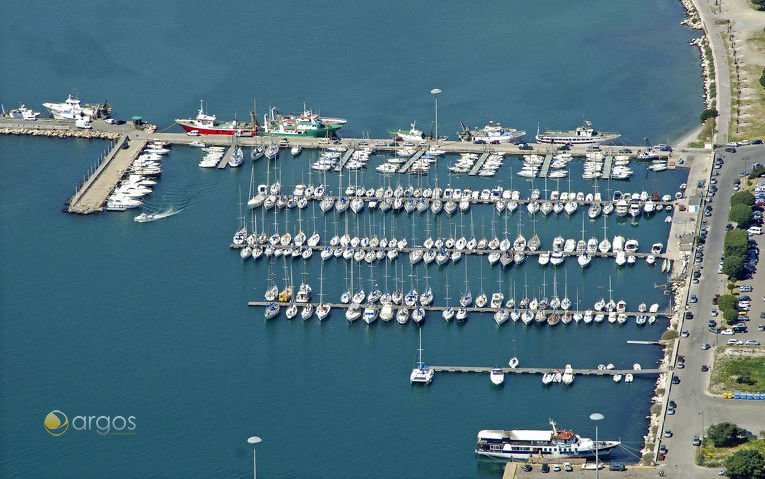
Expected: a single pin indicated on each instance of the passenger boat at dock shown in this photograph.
(583, 135)
(206, 124)
(521, 444)
(492, 133)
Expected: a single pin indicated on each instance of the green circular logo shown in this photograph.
(56, 423)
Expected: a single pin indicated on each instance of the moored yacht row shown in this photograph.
(451, 200)
(139, 179)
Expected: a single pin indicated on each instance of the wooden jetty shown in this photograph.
(405, 167)
(471, 309)
(545, 170)
(479, 164)
(92, 194)
(344, 159)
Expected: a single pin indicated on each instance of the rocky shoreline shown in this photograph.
(54, 133)
(693, 20)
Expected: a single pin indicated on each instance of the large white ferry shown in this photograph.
(583, 135)
(521, 444)
(491, 133)
(71, 109)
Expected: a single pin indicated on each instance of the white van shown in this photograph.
(754, 230)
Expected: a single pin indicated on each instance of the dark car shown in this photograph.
(704, 368)
(728, 227)
(527, 468)
(688, 315)
(730, 149)
(545, 468)
(481, 142)
(675, 379)
(617, 466)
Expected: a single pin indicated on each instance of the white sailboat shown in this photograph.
(421, 374)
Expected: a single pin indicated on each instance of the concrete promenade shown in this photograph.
(92, 195)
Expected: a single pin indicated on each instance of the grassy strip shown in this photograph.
(737, 373)
(710, 456)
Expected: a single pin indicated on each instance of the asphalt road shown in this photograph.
(696, 408)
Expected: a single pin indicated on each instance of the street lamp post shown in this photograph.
(596, 416)
(254, 440)
(435, 92)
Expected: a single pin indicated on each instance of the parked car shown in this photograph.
(727, 332)
(668, 433)
(696, 441)
(752, 342)
(705, 346)
(704, 368)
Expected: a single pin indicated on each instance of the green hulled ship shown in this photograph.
(305, 124)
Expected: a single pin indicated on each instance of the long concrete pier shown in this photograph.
(585, 372)
(92, 194)
(450, 146)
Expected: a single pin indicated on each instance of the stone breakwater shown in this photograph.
(54, 133)
(693, 20)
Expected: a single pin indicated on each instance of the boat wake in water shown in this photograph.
(147, 217)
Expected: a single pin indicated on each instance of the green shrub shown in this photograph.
(742, 198)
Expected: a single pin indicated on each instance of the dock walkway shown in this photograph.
(585, 372)
(479, 164)
(545, 170)
(344, 159)
(92, 194)
(227, 156)
(405, 167)
(607, 166)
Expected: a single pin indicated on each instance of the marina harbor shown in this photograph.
(524, 236)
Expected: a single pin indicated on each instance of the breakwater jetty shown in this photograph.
(91, 196)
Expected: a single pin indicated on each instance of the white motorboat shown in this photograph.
(70, 109)
(497, 376)
(513, 363)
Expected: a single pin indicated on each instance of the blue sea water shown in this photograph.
(104, 316)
